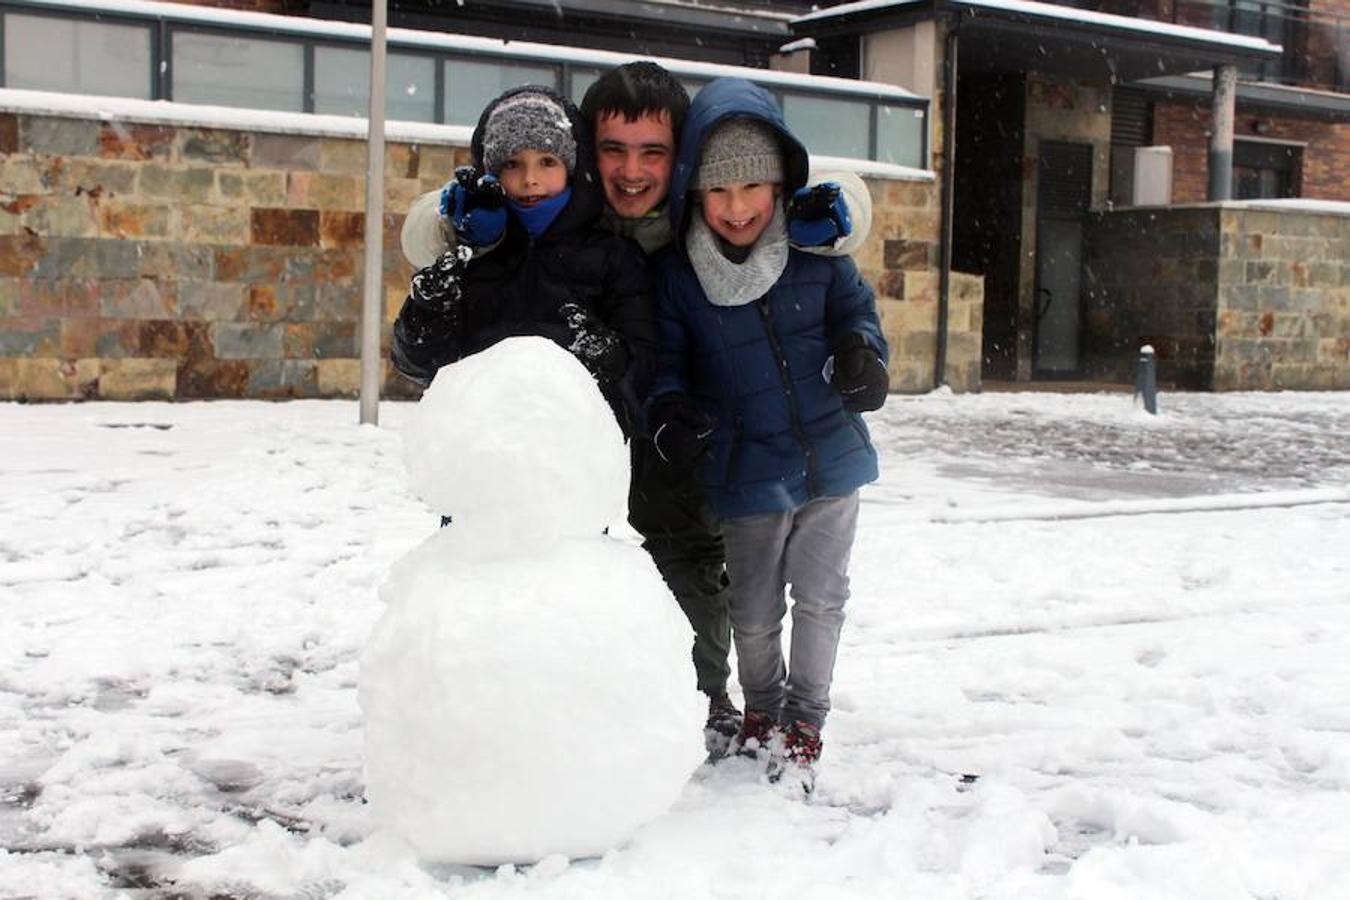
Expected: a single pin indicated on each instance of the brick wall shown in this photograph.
(143, 261)
(1231, 298)
(1184, 126)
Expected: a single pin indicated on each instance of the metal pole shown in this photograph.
(949, 76)
(372, 306)
(1223, 101)
(1146, 379)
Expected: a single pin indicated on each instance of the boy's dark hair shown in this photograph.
(633, 89)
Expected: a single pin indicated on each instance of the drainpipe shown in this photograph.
(948, 199)
(1223, 103)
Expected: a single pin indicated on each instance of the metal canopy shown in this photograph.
(1044, 37)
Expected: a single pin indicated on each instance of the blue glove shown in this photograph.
(817, 216)
(476, 205)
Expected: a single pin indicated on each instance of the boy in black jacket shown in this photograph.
(533, 198)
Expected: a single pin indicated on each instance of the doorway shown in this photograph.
(1063, 196)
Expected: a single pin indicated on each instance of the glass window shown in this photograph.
(43, 53)
(582, 79)
(471, 84)
(1265, 171)
(900, 133)
(342, 84)
(828, 126)
(236, 71)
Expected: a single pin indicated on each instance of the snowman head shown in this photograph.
(516, 442)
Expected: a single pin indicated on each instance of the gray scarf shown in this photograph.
(727, 283)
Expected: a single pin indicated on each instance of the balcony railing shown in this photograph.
(157, 51)
(1316, 52)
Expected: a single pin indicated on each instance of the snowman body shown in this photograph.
(528, 690)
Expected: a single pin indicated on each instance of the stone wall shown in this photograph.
(1232, 297)
(154, 261)
(1283, 301)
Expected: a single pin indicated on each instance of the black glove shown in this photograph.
(680, 430)
(476, 205)
(817, 216)
(438, 287)
(859, 374)
(599, 348)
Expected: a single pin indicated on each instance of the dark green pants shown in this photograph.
(667, 507)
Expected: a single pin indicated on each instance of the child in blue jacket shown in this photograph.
(767, 357)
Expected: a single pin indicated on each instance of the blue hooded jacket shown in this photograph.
(783, 436)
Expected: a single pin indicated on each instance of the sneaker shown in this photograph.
(753, 738)
(724, 723)
(797, 762)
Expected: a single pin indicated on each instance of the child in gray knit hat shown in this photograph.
(533, 197)
(768, 355)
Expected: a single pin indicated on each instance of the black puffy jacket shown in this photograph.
(519, 287)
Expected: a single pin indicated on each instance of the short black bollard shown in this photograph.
(1146, 379)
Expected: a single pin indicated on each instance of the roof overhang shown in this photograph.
(1021, 35)
(1257, 97)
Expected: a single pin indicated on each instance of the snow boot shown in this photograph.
(796, 764)
(756, 732)
(724, 723)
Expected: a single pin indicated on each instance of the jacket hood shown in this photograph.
(728, 98)
(588, 200)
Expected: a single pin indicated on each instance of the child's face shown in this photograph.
(532, 176)
(739, 213)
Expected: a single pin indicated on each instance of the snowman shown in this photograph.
(526, 692)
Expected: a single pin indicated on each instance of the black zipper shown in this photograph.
(766, 315)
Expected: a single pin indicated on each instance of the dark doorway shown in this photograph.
(1062, 199)
(987, 225)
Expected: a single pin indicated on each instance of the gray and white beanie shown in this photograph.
(739, 151)
(528, 121)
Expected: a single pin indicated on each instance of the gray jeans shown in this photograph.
(807, 548)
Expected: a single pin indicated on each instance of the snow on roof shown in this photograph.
(1296, 204)
(115, 109)
(432, 40)
(1067, 13)
(163, 112)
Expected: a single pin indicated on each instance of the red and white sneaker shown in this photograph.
(796, 764)
(757, 731)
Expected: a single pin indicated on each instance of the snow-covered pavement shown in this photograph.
(1136, 630)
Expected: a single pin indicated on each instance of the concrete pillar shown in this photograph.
(1223, 103)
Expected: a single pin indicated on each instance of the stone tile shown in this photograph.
(99, 338)
(124, 219)
(30, 336)
(216, 224)
(9, 297)
(54, 136)
(171, 339)
(138, 379)
(341, 303)
(94, 178)
(166, 259)
(212, 378)
(286, 151)
(212, 301)
(250, 264)
(436, 162)
(247, 340)
(9, 133)
(399, 193)
(137, 142)
(278, 378)
(138, 298)
(65, 298)
(193, 184)
(48, 379)
(288, 227)
(338, 228)
(215, 146)
(906, 254)
(19, 253)
(342, 157)
(339, 377)
(322, 340)
(62, 216)
(251, 188)
(24, 176)
(335, 265)
(319, 190)
(280, 302)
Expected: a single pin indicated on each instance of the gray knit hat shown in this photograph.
(528, 120)
(737, 151)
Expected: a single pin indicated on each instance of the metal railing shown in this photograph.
(190, 54)
(1316, 41)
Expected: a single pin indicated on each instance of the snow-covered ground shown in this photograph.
(1135, 630)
